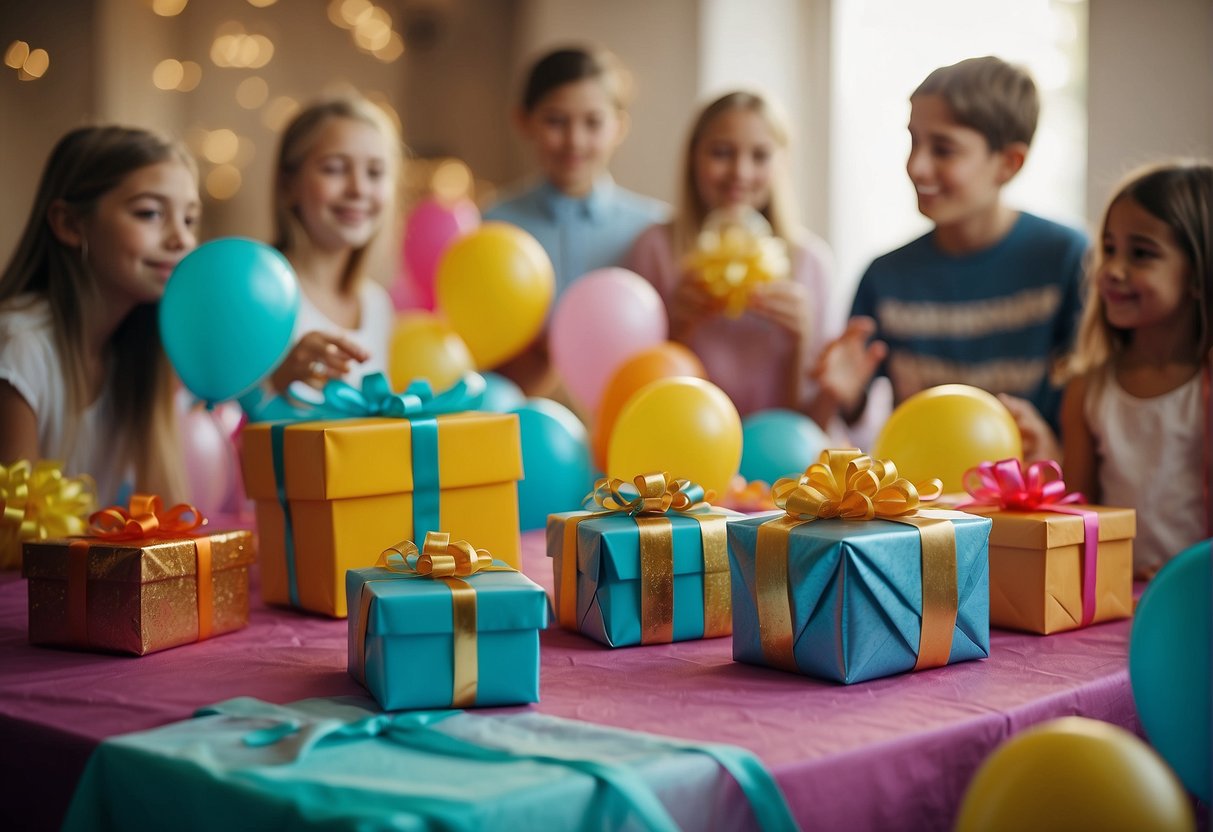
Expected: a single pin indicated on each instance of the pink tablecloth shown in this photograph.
(890, 754)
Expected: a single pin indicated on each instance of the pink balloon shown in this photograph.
(431, 227)
(212, 469)
(603, 319)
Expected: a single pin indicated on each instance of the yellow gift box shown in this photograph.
(1036, 568)
(349, 490)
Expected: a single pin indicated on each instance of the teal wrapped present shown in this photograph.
(829, 589)
(444, 626)
(649, 566)
(333, 765)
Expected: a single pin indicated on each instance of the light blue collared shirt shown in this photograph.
(581, 234)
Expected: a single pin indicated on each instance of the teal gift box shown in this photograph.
(416, 641)
(618, 582)
(855, 596)
(334, 765)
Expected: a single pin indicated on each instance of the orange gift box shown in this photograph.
(350, 489)
(1038, 545)
(135, 596)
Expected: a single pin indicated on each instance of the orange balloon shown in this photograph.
(424, 346)
(664, 360)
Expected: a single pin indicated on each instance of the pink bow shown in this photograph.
(1008, 485)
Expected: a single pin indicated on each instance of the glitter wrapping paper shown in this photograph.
(140, 598)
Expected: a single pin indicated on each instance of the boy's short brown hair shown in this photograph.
(989, 95)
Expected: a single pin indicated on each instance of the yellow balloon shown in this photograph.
(944, 431)
(424, 346)
(495, 286)
(685, 426)
(1075, 773)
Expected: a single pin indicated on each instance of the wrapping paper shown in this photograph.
(855, 593)
(330, 495)
(406, 636)
(610, 580)
(324, 764)
(1036, 566)
(140, 596)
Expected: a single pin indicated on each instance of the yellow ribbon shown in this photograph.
(37, 502)
(850, 485)
(649, 499)
(438, 559)
(731, 259)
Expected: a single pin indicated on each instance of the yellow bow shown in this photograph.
(437, 558)
(731, 259)
(852, 485)
(37, 501)
(652, 493)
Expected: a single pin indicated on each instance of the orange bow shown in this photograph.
(146, 517)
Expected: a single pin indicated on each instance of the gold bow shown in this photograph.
(36, 502)
(648, 499)
(852, 485)
(731, 259)
(443, 560)
(437, 558)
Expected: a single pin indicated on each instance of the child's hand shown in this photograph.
(1039, 441)
(690, 304)
(315, 359)
(784, 302)
(847, 364)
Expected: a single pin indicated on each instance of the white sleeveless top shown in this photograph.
(1150, 457)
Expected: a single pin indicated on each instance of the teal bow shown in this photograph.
(342, 400)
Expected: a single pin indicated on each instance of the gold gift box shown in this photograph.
(141, 596)
(349, 486)
(1036, 568)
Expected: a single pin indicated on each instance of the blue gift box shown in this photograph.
(609, 571)
(409, 643)
(856, 595)
(332, 765)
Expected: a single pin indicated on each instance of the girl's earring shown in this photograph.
(84, 251)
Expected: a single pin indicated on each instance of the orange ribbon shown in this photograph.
(438, 559)
(144, 520)
(850, 485)
(648, 499)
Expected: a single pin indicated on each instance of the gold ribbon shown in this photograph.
(37, 502)
(731, 259)
(850, 485)
(145, 519)
(649, 500)
(442, 560)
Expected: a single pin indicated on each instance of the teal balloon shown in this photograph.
(1169, 664)
(779, 443)
(500, 394)
(227, 315)
(556, 467)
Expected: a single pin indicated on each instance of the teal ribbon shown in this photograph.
(412, 729)
(419, 404)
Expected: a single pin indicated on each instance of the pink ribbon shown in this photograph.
(1007, 485)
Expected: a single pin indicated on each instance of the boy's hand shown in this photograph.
(315, 359)
(1039, 441)
(784, 302)
(847, 364)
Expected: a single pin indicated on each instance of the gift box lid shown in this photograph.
(413, 605)
(336, 459)
(1048, 529)
(616, 541)
(139, 561)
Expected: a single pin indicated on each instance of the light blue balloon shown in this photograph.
(1169, 664)
(556, 467)
(227, 315)
(500, 394)
(779, 443)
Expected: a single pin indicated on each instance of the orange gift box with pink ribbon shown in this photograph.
(143, 579)
(1056, 563)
